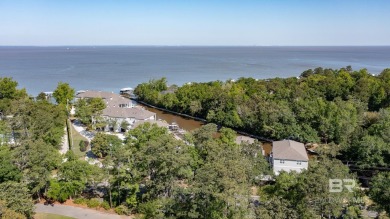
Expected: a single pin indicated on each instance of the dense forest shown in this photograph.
(154, 175)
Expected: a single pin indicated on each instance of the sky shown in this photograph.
(195, 22)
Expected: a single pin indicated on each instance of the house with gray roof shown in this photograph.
(288, 155)
(111, 99)
(119, 110)
(115, 116)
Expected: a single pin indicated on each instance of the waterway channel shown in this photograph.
(189, 124)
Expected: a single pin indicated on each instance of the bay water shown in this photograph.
(111, 68)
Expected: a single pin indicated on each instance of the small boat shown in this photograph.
(126, 90)
(173, 126)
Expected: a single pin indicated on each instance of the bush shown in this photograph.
(151, 209)
(80, 201)
(93, 203)
(105, 205)
(122, 210)
(83, 146)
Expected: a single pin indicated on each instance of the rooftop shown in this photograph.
(289, 150)
(119, 112)
(96, 94)
(111, 99)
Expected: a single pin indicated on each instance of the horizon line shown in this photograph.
(157, 45)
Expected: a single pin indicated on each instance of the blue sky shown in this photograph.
(195, 22)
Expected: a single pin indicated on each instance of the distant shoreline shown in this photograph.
(113, 67)
(192, 46)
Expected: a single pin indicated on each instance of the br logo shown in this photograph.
(337, 185)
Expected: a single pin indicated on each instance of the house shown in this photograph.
(288, 155)
(115, 116)
(111, 99)
(119, 110)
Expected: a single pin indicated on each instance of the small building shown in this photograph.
(288, 155)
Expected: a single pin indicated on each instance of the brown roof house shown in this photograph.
(288, 155)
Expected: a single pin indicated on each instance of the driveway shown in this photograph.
(65, 144)
(75, 212)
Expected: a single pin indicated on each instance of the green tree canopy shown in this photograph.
(104, 144)
(17, 198)
(63, 94)
(380, 190)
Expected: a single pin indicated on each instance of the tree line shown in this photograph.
(341, 108)
(31, 132)
(154, 175)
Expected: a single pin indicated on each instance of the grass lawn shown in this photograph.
(50, 216)
(76, 141)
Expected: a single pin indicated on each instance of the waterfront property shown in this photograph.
(288, 155)
(120, 112)
(120, 118)
(111, 99)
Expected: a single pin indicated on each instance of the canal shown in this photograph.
(189, 124)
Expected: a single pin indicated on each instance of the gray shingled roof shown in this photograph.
(95, 94)
(111, 99)
(119, 112)
(289, 150)
(115, 101)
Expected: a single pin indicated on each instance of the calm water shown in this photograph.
(184, 123)
(190, 124)
(111, 68)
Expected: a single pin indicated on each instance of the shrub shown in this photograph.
(93, 203)
(83, 146)
(122, 210)
(105, 205)
(80, 201)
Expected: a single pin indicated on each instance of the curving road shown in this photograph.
(75, 212)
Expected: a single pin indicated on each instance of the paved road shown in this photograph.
(79, 213)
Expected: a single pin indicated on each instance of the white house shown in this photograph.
(289, 156)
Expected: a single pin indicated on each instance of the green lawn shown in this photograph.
(50, 216)
(76, 141)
